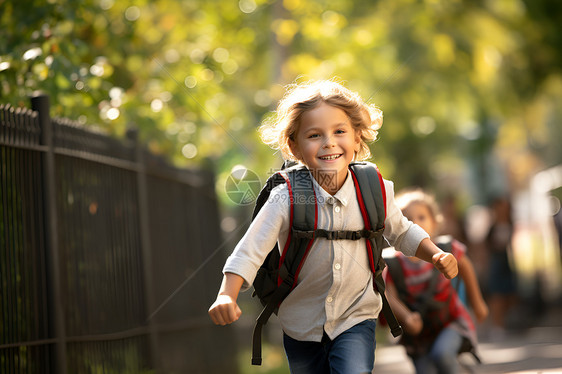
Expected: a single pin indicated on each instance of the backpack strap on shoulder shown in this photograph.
(366, 190)
(371, 195)
(373, 192)
(273, 181)
(303, 218)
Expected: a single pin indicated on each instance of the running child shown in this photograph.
(329, 318)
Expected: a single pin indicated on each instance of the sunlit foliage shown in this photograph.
(460, 82)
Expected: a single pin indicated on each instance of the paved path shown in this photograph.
(534, 350)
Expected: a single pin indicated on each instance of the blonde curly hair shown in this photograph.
(282, 128)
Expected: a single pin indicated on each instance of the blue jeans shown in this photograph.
(352, 352)
(442, 357)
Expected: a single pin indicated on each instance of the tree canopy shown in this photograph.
(464, 85)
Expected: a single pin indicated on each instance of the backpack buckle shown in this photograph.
(344, 235)
(354, 235)
(300, 234)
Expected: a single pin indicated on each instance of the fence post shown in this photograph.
(40, 103)
(146, 248)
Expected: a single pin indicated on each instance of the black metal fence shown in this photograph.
(95, 235)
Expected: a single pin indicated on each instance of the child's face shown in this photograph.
(326, 142)
(420, 214)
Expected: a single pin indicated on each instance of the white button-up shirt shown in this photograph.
(335, 285)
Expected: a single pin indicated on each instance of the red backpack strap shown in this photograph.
(371, 195)
(303, 217)
(383, 189)
(369, 184)
(291, 215)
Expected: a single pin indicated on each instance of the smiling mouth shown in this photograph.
(330, 157)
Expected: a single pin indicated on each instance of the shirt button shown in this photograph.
(329, 299)
(337, 209)
(337, 266)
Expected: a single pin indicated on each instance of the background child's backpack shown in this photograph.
(279, 273)
(433, 312)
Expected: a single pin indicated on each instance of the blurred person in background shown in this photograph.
(453, 223)
(502, 286)
(437, 325)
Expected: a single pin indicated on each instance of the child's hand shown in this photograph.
(413, 324)
(224, 310)
(446, 263)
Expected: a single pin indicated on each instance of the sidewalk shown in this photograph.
(537, 349)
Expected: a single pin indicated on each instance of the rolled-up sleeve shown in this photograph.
(260, 238)
(403, 234)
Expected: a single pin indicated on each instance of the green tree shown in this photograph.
(456, 80)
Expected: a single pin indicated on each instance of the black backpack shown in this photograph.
(279, 273)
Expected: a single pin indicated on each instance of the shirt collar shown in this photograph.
(344, 195)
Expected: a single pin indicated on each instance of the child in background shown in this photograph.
(437, 326)
(502, 282)
(329, 318)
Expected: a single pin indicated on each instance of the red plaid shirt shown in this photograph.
(417, 277)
